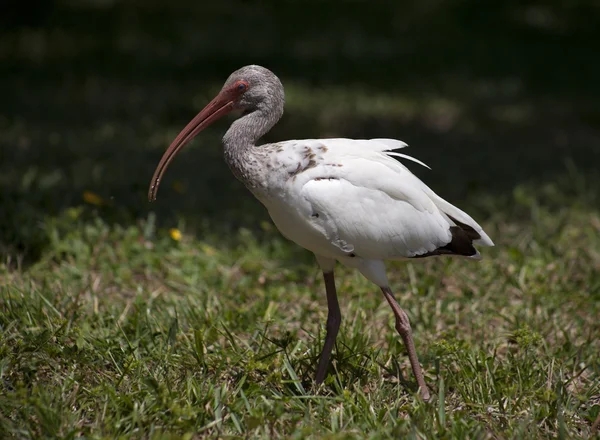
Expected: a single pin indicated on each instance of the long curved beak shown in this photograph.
(217, 108)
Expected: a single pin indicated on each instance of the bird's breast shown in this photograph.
(298, 225)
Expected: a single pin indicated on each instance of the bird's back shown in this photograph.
(343, 197)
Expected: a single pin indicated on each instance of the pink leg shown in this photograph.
(334, 318)
(403, 328)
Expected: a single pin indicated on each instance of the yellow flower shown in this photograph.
(175, 234)
(92, 198)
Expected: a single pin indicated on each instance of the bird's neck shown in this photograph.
(240, 141)
(247, 130)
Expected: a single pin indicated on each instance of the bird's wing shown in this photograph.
(368, 204)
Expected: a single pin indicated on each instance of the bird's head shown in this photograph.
(257, 88)
(251, 88)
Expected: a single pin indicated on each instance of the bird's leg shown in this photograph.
(334, 318)
(403, 327)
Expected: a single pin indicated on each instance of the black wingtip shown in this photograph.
(461, 243)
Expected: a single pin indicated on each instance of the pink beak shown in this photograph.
(221, 105)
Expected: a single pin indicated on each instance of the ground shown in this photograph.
(193, 317)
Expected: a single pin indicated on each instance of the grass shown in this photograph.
(193, 317)
(125, 331)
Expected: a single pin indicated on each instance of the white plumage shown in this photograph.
(351, 201)
(343, 199)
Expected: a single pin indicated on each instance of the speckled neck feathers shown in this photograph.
(263, 104)
(240, 141)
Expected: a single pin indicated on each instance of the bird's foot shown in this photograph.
(425, 395)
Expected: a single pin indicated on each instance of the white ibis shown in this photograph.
(342, 199)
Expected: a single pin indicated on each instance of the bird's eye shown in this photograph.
(242, 86)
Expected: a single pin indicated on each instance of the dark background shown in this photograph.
(492, 95)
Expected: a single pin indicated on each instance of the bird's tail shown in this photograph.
(462, 220)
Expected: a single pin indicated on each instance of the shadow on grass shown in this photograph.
(490, 97)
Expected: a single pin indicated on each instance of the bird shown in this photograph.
(350, 201)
